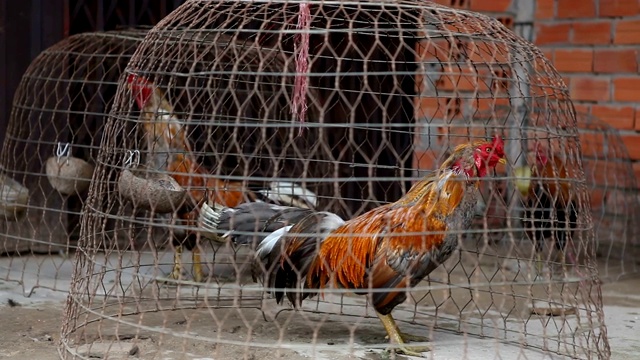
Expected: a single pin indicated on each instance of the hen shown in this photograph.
(167, 141)
(392, 247)
(550, 210)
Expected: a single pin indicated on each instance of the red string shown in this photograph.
(301, 50)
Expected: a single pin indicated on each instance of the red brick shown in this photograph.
(592, 33)
(597, 197)
(545, 9)
(627, 32)
(424, 160)
(553, 34)
(621, 117)
(576, 8)
(419, 80)
(506, 20)
(626, 89)
(428, 108)
(632, 142)
(483, 105)
(592, 144)
(618, 8)
(589, 89)
(548, 54)
(602, 177)
(432, 49)
(573, 60)
(615, 61)
(462, 79)
(490, 6)
(487, 52)
(636, 170)
(459, 4)
(544, 86)
(443, 108)
(581, 110)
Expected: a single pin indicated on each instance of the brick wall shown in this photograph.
(595, 45)
(452, 91)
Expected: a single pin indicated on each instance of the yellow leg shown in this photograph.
(198, 274)
(177, 264)
(400, 339)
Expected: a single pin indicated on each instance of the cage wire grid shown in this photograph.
(48, 156)
(614, 197)
(393, 87)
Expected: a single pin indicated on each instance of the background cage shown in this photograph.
(62, 102)
(387, 80)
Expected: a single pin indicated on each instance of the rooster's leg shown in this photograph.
(400, 339)
(198, 275)
(177, 264)
(539, 264)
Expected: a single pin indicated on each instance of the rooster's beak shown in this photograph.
(503, 161)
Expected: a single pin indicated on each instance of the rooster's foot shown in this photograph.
(412, 338)
(411, 350)
(174, 275)
(400, 339)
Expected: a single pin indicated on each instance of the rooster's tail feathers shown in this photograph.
(291, 194)
(248, 223)
(285, 256)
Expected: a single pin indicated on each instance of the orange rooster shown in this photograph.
(392, 247)
(550, 212)
(167, 140)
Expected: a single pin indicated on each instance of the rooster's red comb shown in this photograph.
(141, 89)
(541, 153)
(497, 141)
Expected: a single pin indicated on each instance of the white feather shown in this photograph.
(271, 240)
(330, 222)
(286, 192)
(209, 220)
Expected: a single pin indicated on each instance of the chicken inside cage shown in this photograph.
(333, 214)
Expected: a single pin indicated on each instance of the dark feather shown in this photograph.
(548, 220)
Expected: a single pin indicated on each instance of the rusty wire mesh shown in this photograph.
(206, 104)
(614, 197)
(59, 112)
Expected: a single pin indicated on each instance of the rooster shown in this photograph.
(550, 210)
(392, 247)
(167, 140)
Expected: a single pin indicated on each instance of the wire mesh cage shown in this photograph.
(610, 180)
(614, 197)
(50, 151)
(248, 132)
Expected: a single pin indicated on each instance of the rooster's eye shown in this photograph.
(487, 149)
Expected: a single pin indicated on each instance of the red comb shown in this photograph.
(141, 89)
(541, 156)
(497, 140)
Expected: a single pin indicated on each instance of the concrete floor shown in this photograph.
(621, 298)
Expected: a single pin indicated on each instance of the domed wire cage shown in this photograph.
(213, 102)
(612, 185)
(50, 150)
(614, 197)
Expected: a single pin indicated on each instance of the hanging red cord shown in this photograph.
(301, 50)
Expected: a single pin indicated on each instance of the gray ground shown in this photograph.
(30, 326)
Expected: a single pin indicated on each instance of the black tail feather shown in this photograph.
(547, 219)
